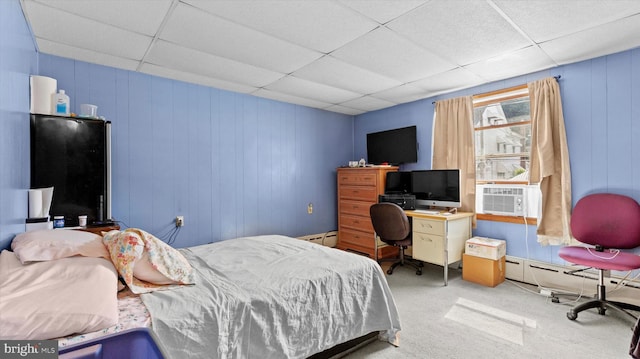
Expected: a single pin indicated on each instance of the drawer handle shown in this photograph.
(356, 221)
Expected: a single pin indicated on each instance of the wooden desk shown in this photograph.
(439, 239)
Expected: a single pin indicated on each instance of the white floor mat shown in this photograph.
(493, 321)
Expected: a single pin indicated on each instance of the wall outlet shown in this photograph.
(179, 221)
(310, 208)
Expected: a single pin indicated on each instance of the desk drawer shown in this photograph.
(356, 222)
(358, 178)
(428, 248)
(358, 208)
(363, 239)
(428, 226)
(362, 193)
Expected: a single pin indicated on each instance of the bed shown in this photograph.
(251, 297)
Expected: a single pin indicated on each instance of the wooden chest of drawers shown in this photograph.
(358, 189)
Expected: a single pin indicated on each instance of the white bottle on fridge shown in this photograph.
(60, 103)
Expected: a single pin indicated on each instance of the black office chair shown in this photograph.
(393, 227)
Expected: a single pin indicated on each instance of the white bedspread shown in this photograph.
(272, 297)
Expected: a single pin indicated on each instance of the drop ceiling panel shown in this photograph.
(319, 25)
(62, 50)
(460, 31)
(175, 57)
(401, 94)
(449, 81)
(383, 11)
(196, 79)
(309, 89)
(545, 20)
(527, 60)
(60, 26)
(142, 16)
(599, 41)
(388, 54)
(331, 71)
(234, 41)
(284, 97)
(344, 110)
(367, 103)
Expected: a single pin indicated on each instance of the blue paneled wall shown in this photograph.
(236, 165)
(602, 117)
(231, 164)
(17, 62)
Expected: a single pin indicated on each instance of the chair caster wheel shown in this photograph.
(572, 315)
(389, 272)
(418, 272)
(601, 311)
(555, 300)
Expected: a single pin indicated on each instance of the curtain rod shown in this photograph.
(555, 77)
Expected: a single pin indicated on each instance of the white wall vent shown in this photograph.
(503, 200)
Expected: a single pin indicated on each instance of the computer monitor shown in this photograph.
(438, 188)
(398, 183)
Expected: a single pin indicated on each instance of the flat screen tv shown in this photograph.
(393, 147)
(436, 188)
(72, 156)
(398, 182)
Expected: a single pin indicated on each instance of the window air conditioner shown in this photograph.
(507, 201)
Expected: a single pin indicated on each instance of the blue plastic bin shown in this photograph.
(129, 344)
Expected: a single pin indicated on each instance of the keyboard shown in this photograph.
(427, 211)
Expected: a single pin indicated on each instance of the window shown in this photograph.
(502, 126)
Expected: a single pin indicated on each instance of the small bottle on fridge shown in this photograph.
(60, 102)
(58, 221)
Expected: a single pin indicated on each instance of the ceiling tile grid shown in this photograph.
(346, 56)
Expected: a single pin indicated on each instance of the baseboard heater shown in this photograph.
(568, 278)
(329, 239)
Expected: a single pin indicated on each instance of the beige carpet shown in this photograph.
(466, 320)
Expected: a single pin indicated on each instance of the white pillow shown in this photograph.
(146, 263)
(144, 270)
(50, 244)
(56, 298)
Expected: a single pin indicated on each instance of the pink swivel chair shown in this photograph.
(608, 223)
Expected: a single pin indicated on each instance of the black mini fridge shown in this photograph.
(73, 155)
